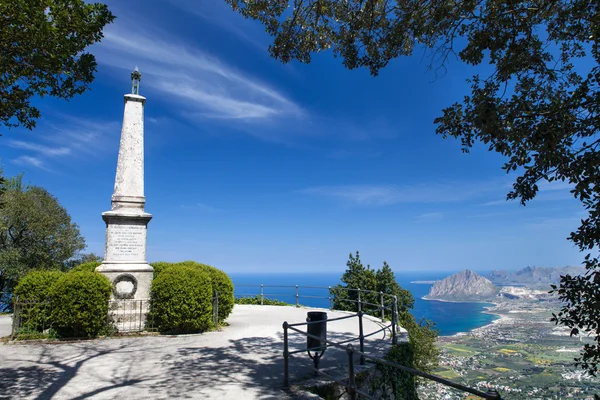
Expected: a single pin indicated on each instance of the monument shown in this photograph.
(126, 223)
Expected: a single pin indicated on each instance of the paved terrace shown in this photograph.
(243, 361)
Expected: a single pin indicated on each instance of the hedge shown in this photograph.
(89, 266)
(79, 302)
(33, 292)
(220, 282)
(182, 300)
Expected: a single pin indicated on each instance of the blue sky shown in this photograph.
(257, 166)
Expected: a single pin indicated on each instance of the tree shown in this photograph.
(357, 276)
(36, 232)
(421, 336)
(42, 52)
(539, 106)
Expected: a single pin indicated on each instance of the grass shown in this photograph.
(460, 350)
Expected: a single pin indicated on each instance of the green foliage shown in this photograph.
(393, 382)
(89, 266)
(36, 285)
(182, 300)
(535, 100)
(265, 301)
(357, 276)
(33, 294)
(36, 232)
(42, 53)
(422, 337)
(79, 303)
(381, 280)
(81, 259)
(160, 266)
(220, 282)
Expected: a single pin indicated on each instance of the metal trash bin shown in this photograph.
(319, 329)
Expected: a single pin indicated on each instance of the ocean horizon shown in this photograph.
(450, 317)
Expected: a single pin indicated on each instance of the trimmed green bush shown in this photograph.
(79, 302)
(221, 282)
(89, 266)
(33, 292)
(36, 285)
(159, 267)
(182, 300)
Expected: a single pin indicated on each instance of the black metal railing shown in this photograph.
(386, 303)
(296, 292)
(349, 383)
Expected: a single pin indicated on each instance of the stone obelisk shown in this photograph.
(126, 223)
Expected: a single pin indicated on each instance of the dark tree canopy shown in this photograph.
(36, 232)
(42, 45)
(539, 106)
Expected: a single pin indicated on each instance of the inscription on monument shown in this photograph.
(128, 242)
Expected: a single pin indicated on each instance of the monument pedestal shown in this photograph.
(125, 257)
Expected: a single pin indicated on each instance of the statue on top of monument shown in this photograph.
(136, 77)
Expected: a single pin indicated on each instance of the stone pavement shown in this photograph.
(5, 325)
(242, 361)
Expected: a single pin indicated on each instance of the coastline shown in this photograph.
(489, 309)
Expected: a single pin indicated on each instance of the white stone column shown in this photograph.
(125, 261)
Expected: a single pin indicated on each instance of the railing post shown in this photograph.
(382, 306)
(141, 327)
(216, 308)
(394, 319)
(330, 299)
(361, 337)
(359, 304)
(297, 304)
(286, 372)
(15, 318)
(494, 393)
(262, 294)
(351, 377)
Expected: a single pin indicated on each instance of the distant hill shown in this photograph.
(463, 286)
(538, 277)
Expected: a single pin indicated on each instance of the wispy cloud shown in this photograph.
(203, 85)
(65, 135)
(548, 191)
(219, 14)
(429, 217)
(40, 148)
(30, 161)
(383, 195)
(496, 202)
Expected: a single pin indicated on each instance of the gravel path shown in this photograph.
(242, 361)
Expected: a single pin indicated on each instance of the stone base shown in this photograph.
(130, 281)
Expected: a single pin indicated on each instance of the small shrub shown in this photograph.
(395, 383)
(89, 266)
(220, 282)
(33, 293)
(80, 304)
(182, 300)
(256, 300)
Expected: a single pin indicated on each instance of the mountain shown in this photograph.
(462, 286)
(538, 277)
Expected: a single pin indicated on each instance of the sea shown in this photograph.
(450, 318)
